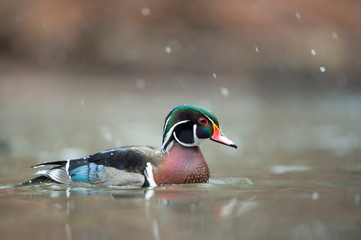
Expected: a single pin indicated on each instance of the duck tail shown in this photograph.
(43, 178)
(36, 181)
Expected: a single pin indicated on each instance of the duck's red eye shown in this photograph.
(203, 121)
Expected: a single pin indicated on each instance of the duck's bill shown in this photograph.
(219, 137)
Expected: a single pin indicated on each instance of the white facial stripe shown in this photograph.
(170, 132)
(166, 123)
(182, 143)
(172, 129)
(210, 119)
(196, 142)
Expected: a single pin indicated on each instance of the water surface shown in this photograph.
(293, 205)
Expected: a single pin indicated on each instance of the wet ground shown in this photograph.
(295, 175)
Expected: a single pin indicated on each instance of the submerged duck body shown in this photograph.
(179, 160)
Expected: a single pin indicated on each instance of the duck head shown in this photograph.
(190, 125)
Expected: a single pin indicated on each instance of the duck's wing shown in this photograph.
(125, 166)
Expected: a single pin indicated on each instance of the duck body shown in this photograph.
(179, 161)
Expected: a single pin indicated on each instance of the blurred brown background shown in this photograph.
(269, 40)
(283, 77)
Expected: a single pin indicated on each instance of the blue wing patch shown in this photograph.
(89, 173)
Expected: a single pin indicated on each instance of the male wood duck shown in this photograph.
(179, 160)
